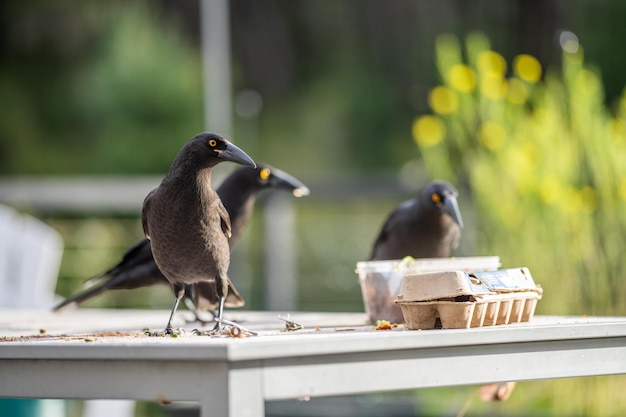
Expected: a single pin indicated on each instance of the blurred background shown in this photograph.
(518, 103)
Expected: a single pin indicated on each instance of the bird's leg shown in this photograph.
(221, 284)
(220, 312)
(217, 330)
(169, 329)
(179, 292)
(236, 330)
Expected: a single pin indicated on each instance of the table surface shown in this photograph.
(105, 354)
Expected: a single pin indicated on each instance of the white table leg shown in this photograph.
(242, 397)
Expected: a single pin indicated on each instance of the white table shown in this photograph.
(76, 358)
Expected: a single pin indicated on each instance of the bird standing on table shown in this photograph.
(137, 268)
(186, 222)
(238, 193)
(428, 226)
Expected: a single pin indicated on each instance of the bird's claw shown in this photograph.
(213, 332)
(167, 332)
(290, 326)
(228, 329)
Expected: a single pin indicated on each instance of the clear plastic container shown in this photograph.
(381, 280)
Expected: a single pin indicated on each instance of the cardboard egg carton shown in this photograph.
(380, 281)
(468, 299)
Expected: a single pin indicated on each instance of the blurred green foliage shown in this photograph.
(545, 162)
(93, 88)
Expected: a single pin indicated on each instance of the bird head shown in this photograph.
(269, 177)
(443, 196)
(227, 151)
(209, 149)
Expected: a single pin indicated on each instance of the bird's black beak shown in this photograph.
(451, 207)
(233, 153)
(281, 180)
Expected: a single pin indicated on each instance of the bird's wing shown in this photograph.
(137, 276)
(137, 254)
(226, 227)
(390, 224)
(145, 212)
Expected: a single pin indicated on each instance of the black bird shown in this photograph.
(428, 226)
(137, 268)
(187, 223)
(238, 193)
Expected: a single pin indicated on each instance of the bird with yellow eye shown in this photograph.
(137, 268)
(265, 173)
(427, 226)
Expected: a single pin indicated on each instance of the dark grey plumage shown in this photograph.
(428, 226)
(137, 268)
(238, 193)
(186, 222)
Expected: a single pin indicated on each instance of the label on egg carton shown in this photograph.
(450, 284)
(504, 280)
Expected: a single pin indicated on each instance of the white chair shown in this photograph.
(30, 258)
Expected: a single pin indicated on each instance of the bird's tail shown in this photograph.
(81, 297)
(204, 295)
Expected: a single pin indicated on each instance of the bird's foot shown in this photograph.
(228, 329)
(169, 331)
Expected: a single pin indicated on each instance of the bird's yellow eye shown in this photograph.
(212, 143)
(436, 198)
(264, 173)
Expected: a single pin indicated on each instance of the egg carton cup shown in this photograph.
(380, 281)
(465, 300)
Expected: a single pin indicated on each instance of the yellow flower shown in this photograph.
(550, 190)
(428, 131)
(527, 67)
(572, 200)
(493, 86)
(462, 78)
(492, 135)
(491, 63)
(517, 163)
(516, 91)
(443, 100)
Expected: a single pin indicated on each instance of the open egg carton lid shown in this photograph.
(461, 300)
(411, 265)
(449, 284)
